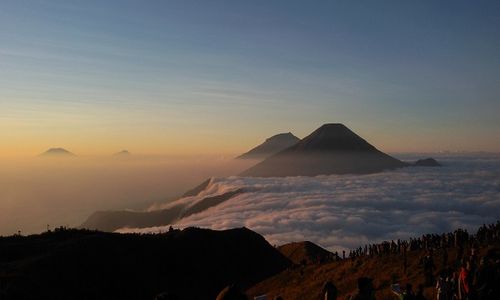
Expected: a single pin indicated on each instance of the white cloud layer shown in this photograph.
(346, 211)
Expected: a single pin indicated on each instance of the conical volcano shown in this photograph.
(271, 146)
(332, 137)
(57, 152)
(330, 149)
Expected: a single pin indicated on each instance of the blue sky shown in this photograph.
(219, 76)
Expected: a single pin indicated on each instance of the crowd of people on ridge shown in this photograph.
(467, 277)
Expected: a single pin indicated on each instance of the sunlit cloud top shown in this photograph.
(347, 211)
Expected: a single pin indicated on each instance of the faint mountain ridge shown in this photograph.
(271, 146)
(122, 153)
(331, 149)
(119, 219)
(198, 189)
(54, 152)
(427, 162)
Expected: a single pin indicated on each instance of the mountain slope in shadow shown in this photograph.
(330, 149)
(271, 146)
(304, 253)
(114, 220)
(79, 264)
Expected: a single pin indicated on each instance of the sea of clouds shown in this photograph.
(346, 211)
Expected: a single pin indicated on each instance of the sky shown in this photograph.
(209, 77)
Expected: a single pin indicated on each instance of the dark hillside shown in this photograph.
(305, 253)
(80, 264)
(385, 264)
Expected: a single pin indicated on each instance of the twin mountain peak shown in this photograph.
(330, 149)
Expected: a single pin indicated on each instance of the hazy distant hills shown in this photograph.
(78, 264)
(427, 162)
(122, 153)
(113, 220)
(198, 189)
(57, 152)
(61, 152)
(330, 149)
(271, 146)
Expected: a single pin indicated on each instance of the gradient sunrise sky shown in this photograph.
(188, 77)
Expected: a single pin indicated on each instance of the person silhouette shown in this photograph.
(365, 289)
(329, 291)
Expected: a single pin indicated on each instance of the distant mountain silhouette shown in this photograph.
(57, 152)
(122, 153)
(198, 189)
(113, 220)
(79, 264)
(271, 146)
(301, 253)
(428, 162)
(208, 202)
(330, 149)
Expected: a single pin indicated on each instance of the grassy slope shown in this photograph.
(306, 282)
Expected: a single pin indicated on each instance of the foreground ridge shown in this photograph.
(91, 264)
(423, 262)
(193, 263)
